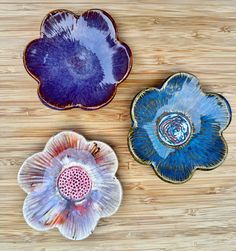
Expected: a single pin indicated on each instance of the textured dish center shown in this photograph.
(84, 64)
(174, 129)
(74, 183)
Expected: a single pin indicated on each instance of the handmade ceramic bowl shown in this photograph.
(71, 184)
(78, 61)
(178, 128)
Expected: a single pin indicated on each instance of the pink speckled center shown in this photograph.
(74, 183)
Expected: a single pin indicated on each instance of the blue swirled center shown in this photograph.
(174, 129)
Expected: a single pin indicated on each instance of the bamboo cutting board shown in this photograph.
(165, 37)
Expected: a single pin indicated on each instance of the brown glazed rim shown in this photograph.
(146, 162)
(117, 40)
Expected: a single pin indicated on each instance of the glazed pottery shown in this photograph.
(78, 61)
(178, 128)
(71, 184)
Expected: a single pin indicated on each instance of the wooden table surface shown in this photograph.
(165, 37)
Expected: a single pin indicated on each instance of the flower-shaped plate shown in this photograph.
(178, 128)
(78, 61)
(71, 184)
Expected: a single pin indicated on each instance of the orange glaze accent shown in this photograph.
(58, 220)
(99, 160)
(82, 209)
(99, 157)
(71, 143)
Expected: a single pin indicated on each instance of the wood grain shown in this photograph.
(165, 37)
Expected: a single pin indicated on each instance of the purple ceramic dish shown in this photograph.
(78, 61)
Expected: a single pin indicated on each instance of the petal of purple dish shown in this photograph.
(78, 60)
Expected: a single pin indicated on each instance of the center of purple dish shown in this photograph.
(174, 129)
(84, 65)
(74, 183)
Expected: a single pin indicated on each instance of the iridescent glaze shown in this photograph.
(178, 128)
(71, 184)
(174, 129)
(78, 61)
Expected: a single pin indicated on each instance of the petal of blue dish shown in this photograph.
(205, 150)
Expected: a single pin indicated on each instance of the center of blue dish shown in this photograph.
(85, 65)
(174, 129)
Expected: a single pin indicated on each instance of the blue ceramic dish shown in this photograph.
(178, 128)
(78, 61)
